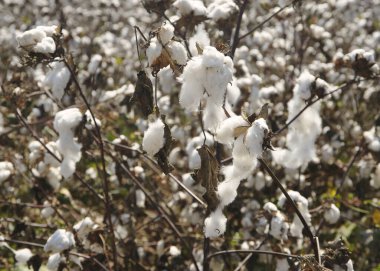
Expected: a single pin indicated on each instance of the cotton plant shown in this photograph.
(57, 79)
(304, 131)
(248, 140)
(360, 60)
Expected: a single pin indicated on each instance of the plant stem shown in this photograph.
(236, 38)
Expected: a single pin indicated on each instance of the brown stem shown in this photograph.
(107, 198)
(236, 38)
(279, 254)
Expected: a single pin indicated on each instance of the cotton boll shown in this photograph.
(270, 207)
(38, 40)
(177, 52)
(166, 80)
(64, 123)
(303, 87)
(48, 158)
(45, 46)
(225, 131)
(243, 162)
(185, 7)
(60, 241)
(84, 227)
(201, 38)
(90, 121)
(255, 137)
(174, 251)
(215, 224)
(54, 261)
(154, 139)
(47, 211)
(22, 256)
(227, 191)
(54, 177)
(332, 214)
(94, 63)
(213, 115)
(166, 32)
(154, 50)
(160, 247)
(192, 88)
(279, 228)
(140, 198)
(6, 170)
(221, 9)
(57, 79)
(212, 58)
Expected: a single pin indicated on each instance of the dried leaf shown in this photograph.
(35, 262)
(189, 22)
(207, 175)
(162, 155)
(143, 95)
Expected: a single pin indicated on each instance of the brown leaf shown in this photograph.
(143, 95)
(207, 175)
(240, 130)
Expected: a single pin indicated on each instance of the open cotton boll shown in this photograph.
(372, 139)
(303, 87)
(221, 9)
(57, 79)
(332, 214)
(140, 198)
(243, 162)
(225, 131)
(84, 227)
(65, 122)
(154, 139)
(201, 38)
(54, 261)
(174, 251)
(166, 32)
(38, 40)
(6, 169)
(192, 84)
(90, 121)
(212, 58)
(94, 63)
(60, 241)
(255, 137)
(177, 52)
(22, 256)
(227, 191)
(215, 224)
(154, 50)
(213, 115)
(278, 227)
(47, 211)
(185, 7)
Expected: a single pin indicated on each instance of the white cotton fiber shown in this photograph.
(154, 50)
(185, 7)
(226, 130)
(255, 137)
(201, 38)
(94, 63)
(332, 214)
(6, 169)
(154, 139)
(221, 9)
(65, 123)
(60, 241)
(215, 224)
(192, 88)
(166, 32)
(23, 255)
(57, 79)
(38, 40)
(177, 52)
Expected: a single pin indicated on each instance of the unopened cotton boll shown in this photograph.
(154, 139)
(332, 214)
(215, 224)
(61, 240)
(22, 256)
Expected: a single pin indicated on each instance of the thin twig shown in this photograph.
(236, 39)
